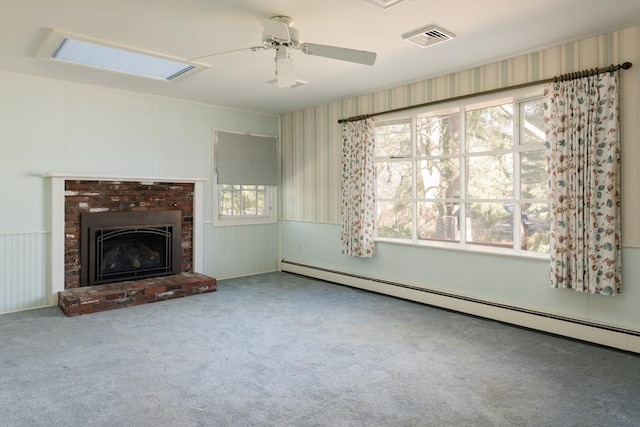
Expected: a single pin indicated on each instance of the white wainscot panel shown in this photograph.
(23, 271)
(240, 250)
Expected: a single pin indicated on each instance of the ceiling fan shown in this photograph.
(279, 34)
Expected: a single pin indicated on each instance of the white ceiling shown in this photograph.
(486, 31)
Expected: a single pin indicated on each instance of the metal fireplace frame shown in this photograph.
(94, 221)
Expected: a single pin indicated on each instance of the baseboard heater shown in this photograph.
(623, 339)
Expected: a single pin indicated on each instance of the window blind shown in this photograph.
(242, 158)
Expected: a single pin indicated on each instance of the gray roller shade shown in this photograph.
(246, 159)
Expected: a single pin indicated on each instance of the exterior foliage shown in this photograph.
(465, 175)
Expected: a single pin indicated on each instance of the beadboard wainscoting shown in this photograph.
(23, 270)
(240, 250)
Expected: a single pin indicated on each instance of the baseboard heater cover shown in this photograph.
(623, 339)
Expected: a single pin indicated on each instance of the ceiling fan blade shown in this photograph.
(278, 30)
(341, 53)
(253, 49)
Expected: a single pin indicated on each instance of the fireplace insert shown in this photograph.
(118, 246)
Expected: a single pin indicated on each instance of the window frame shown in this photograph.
(225, 220)
(517, 98)
(271, 194)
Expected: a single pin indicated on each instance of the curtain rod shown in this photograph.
(563, 77)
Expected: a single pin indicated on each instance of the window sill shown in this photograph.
(231, 222)
(468, 248)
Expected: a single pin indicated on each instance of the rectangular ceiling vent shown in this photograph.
(428, 36)
(386, 4)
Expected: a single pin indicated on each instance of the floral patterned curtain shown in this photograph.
(583, 155)
(357, 207)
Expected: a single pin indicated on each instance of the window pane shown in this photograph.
(438, 221)
(226, 200)
(490, 177)
(438, 135)
(491, 224)
(261, 203)
(533, 131)
(490, 128)
(393, 139)
(394, 180)
(420, 188)
(243, 200)
(394, 220)
(236, 200)
(534, 182)
(249, 200)
(438, 179)
(535, 227)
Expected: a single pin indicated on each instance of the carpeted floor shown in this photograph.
(283, 350)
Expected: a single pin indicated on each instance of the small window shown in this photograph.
(245, 179)
(246, 201)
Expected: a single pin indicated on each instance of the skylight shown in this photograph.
(82, 51)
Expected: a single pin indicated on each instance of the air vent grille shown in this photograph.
(428, 36)
(385, 4)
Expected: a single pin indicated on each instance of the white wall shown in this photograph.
(311, 188)
(54, 126)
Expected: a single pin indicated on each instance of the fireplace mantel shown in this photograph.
(57, 216)
(102, 177)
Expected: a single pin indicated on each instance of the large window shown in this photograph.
(470, 175)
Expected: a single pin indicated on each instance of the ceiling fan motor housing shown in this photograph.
(271, 40)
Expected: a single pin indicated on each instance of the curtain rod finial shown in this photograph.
(626, 65)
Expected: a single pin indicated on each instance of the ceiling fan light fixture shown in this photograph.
(428, 36)
(296, 84)
(285, 72)
(285, 69)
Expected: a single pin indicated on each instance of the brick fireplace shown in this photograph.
(73, 197)
(121, 196)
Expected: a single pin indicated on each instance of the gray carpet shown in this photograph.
(282, 350)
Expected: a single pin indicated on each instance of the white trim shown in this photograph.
(100, 177)
(197, 239)
(232, 222)
(23, 233)
(57, 238)
(468, 247)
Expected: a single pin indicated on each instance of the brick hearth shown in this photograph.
(93, 299)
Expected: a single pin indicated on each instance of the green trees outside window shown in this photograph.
(469, 175)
